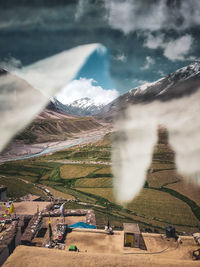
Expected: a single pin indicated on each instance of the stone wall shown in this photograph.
(35, 222)
(7, 241)
(31, 229)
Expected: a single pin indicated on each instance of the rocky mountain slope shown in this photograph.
(182, 82)
(57, 106)
(81, 107)
(56, 126)
(84, 107)
(177, 84)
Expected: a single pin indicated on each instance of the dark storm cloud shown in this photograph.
(35, 3)
(153, 15)
(126, 15)
(32, 30)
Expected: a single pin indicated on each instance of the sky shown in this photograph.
(144, 40)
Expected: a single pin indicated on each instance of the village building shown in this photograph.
(131, 235)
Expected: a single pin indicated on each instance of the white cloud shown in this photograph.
(119, 15)
(81, 8)
(51, 74)
(125, 15)
(149, 61)
(192, 58)
(132, 15)
(161, 73)
(81, 88)
(154, 42)
(177, 49)
(140, 82)
(120, 57)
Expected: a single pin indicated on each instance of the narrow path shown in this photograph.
(35, 185)
(80, 162)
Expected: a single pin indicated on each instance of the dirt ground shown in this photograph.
(43, 257)
(26, 207)
(95, 241)
(156, 243)
(98, 249)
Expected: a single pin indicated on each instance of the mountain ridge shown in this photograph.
(53, 126)
(84, 107)
(182, 82)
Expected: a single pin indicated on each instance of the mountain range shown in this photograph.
(59, 121)
(52, 125)
(80, 107)
(177, 84)
(182, 82)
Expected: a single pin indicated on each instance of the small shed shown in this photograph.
(131, 235)
(3, 196)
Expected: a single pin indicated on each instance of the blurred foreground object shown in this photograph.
(22, 99)
(173, 102)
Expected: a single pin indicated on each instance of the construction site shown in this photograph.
(46, 233)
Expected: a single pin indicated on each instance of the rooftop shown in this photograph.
(131, 228)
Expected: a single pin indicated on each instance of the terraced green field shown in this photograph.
(18, 188)
(100, 151)
(94, 183)
(154, 205)
(162, 178)
(186, 189)
(103, 170)
(70, 171)
(166, 198)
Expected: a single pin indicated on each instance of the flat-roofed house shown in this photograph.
(131, 235)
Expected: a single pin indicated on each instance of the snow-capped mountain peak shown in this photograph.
(142, 88)
(84, 103)
(80, 107)
(177, 84)
(182, 82)
(187, 71)
(85, 106)
(180, 75)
